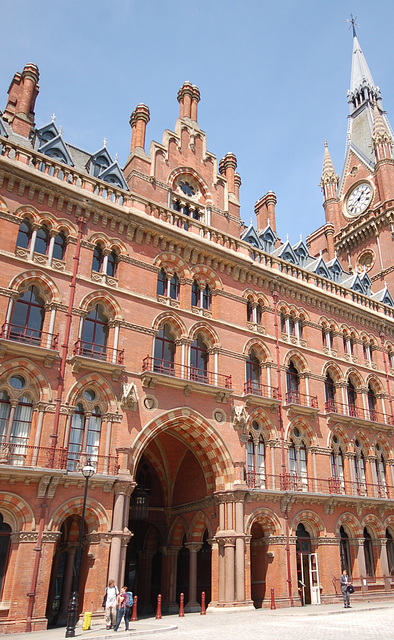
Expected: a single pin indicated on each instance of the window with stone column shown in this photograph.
(359, 469)
(85, 432)
(18, 398)
(298, 461)
(337, 481)
(255, 452)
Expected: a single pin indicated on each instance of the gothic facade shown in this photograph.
(232, 391)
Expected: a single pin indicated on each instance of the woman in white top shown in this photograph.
(111, 593)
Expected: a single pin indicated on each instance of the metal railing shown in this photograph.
(165, 367)
(332, 406)
(302, 399)
(27, 335)
(262, 390)
(98, 352)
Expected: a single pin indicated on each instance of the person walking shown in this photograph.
(109, 604)
(345, 583)
(121, 609)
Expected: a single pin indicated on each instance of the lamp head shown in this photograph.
(88, 470)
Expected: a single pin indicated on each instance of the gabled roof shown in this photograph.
(113, 175)
(383, 296)
(103, 152)
(250, 235)
(354, 283)
(319, 267)
(267, 234)
(286, 252)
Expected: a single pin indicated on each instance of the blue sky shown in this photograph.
(273, 78)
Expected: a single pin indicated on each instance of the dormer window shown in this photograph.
(99, 165)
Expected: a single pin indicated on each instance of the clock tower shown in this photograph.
(359, 205)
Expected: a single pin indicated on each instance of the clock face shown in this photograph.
(359, 199)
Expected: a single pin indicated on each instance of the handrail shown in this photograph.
(262, 390)
(195, 374)
(28, 335)
(302, 399)
(98, 352)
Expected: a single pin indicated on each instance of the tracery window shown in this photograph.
(337, 467)
(255, 452)
(164, 351)
(199, 359)
(298, 462)
(85, 433)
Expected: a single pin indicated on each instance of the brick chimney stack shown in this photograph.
(227, 167)
(184, 97)
(195, 101)
(22, 95)
(138, 121)
(265, 210)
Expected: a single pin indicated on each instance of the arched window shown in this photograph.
(255, 449)
(359, 469)
(283, 327)
(199, 360)
(84, 436)
(329, 391)
(162, 283)
(98, 258)
(174, 287)
(344, 548)
(195, 294)
(59, 247)
(351, 399)
(298, 464)
(253, 374)
(75, 443)
(293, 384)
(201, 297)
(5, 408)
(337, 484)
(42, 241)
(20, 430)
(95, 334)
(249, 311)
(368, 553)
(24, 234)
(28, 317)
(372, 402)
(5, 538)
(380, 466)
(390, 551)
(164, 351)
(112, 264)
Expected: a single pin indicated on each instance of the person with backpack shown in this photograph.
(124, 606)
(109, 603)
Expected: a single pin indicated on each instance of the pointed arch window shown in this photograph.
(380, 466)
(199, 358)
(84, 436)
(166, 286)
(351, 399)
(329, 392)
(161, 283)
(59, 246)
(253, 374)
(283, 326)
(98, 258)
(372, 403)
(368, 553)
(5, 408)
(292, 384)
(20, 431)
(298, 465)
(255, 452)
(112, 264)
(42, 241)
(174, 287)
(95, 334)
(337, 483)
(24, 234)
(164, 358)
(344, 548)
(28, 317)
(359, 470)
(201, 296)
(249, 311)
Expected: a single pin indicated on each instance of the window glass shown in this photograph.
(24, 234)
(42, 241)
(59, 248)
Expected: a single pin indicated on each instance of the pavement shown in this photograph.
(364, 621)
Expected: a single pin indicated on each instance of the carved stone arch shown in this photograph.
(334, 370)
(29, 212)
(38, 380)
(385, 446)
(303, 315)
(96, 517)
(48, 289)
(118, 246)
(19, 513)
(388, 523)
(171, 262)
(374, 524)
(351, 525)
(201, 273)
(363, 439)
(198, 525)
(202, 438)
(207, 331)
(180, 171)
(376, 385)
(99, 238)
(65, 226)
(3, 206)
(96, 381)
(178, 530)
(341, 434)
(250, 296)
(297, 359)
(48, 220)
(308, 435)
(175, 323)
(259, 347)
(268, 520)
(108, 301)
(312, 522)
(268, 429)
(355, 377)
(283, 308)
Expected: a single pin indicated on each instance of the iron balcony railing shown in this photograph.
(301, 399)
(98, 352)
(262, 390)
(26, 335)
(329, 486)
(165, 367)
(332, 406)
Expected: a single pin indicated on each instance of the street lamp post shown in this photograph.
(72, 614)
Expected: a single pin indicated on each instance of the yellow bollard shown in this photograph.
(87, 619)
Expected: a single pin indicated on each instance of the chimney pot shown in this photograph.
(138, 121)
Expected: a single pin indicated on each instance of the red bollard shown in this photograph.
(181, 605)
(203, 611)
(134, 612)
(158, 610)
(273, 606)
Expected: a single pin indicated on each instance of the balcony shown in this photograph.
(22, 340)
(261, 394)
(107, 359)
(351, 413)
(297, 483)
(22, 455)
(300, 403)
(187, 378)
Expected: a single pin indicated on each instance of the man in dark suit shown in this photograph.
(344, 580)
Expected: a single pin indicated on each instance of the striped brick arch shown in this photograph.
(96, 517)
(198, 526)
(305, 429)
(3, 205)
(177, 325)
(188, 171)
(38, 381)
(99, 383)
(307, 517)
(157, 464)
(260, 349)
(374, 525)
(201, 438)
(385, 446)
(210, 335)
(334, 371)
(106, 300)
(204, 274)
(389, 524)
(28, 212)
(350, 523)
(47, 287)
(178, 529)
(268, 428)
(342, 435)
(20, 512)
(172, 262)
(297, 359)
(268, 520)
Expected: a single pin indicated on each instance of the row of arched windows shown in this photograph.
(168, 285)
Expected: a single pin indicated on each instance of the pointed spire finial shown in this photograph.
(353, 24)
(116, 157)
(60, 130)
(301, 237)
(105, 143)
(287, 237)
(53, 117)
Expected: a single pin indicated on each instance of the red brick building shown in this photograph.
(232, 391)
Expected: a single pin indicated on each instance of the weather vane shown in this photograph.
(353, 24)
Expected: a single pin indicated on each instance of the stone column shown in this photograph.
(229, 553)
(67, 582)
(240, 551)
(383, 559)
(172, 553)
(122, 490)
(192, 604)
(362, 571)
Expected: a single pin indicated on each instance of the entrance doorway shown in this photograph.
(307, 568)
